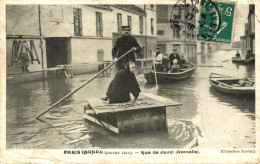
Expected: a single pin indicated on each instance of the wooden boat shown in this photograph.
(243, 61)
(163, 77)
(147, 113)
(231, 85)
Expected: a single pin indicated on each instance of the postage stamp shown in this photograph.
(216, 21)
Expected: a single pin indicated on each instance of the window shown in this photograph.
(129, 21)
(99, 24)
(77, 14)
(141, 24)
(152, 26)
(160, 32)
(119, 22)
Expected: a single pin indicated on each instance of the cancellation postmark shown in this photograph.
(216, 21)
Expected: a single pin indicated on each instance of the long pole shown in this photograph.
(92, 78)
(41, 40)
(40, 32)
(155, 75)
(146, 48)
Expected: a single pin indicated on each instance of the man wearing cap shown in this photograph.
(124, 44)
(173, 56)
(158, 59)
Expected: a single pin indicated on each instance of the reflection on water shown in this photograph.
(207, 117)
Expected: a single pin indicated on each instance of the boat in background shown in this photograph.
(250, 60)
(163, 77)
(231, 85)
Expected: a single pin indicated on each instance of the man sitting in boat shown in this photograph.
(175, 67)
(238, 55)
(249, 55)
(122, 85)
(165, 63)
(158, 60)
(182, 61)
(173, 56)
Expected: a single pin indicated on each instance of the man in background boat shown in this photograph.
(238, 55)
(182, 61)
(124, 44)
(175, 67)
(158, 56)
(249, 55)
(122, 85)
(173, 56)
(165, 63)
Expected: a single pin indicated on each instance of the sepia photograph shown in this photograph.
(98, 78)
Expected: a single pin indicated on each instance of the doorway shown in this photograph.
(58, 51)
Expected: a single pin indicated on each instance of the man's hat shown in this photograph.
(126, 27)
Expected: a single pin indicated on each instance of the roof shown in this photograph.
(131, 8)
(104, 7)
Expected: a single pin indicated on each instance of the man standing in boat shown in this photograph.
(173, 56)
(122, 85)
(124, 44)
(158, 56)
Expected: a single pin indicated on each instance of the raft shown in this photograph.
(231, 85)
(147, 113)
(163, 77)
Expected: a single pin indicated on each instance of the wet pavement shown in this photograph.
(207, 118)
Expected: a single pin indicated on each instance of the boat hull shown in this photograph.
(220, 85)
(169, 77)
(243, 61)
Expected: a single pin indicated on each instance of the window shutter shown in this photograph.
(77, 14)
(97, 28)
(75, 21)
(101, 25)
(80, 21)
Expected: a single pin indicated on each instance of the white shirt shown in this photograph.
(158, 58)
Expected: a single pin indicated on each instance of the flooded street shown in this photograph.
(207, 118)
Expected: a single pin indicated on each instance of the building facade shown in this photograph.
(169, 37)
(248, 40)
(76, 34)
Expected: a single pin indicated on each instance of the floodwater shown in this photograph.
(207, 118)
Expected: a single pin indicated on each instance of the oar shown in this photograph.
(209, 65)
(156, 82)
(220, 75)
(69, 94)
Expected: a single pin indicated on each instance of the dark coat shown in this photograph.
(121, 86)
(174, 56)
(122, 45)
